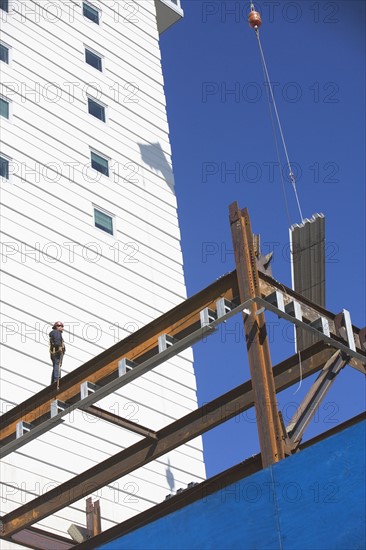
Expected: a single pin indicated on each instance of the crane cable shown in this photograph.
(278, 154)
(255, 22)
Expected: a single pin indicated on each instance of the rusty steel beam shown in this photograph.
(314, 397)
(97, 519)
(201, 491)
(216, 483)
(138, 346)
(89, 510)
(270, 431)
(119, 421)
(170, 437)
(93, 410)
(176, 322)
(38, 539)
(311, 311)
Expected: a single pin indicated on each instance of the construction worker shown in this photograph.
(57, 350)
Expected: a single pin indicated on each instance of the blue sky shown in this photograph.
(219, 122)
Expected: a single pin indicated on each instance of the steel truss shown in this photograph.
(244, 290)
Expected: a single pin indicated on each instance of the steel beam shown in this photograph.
(314, 397)
(270, 432)
(93, 518)
(201, 491)
(38, 539)
(177, 322)
(119, 421)
(322, 331)
(97, 520)
(141, 344)
(91, 393)
(209, 319)
(89, 510)
(172, 436)
(311, 312)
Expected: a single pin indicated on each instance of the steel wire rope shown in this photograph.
(277, 151)
(291, 174)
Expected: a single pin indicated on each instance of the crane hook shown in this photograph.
(254, 18)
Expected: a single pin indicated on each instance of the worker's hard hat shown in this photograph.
(58, 324)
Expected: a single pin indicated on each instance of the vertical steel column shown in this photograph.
(97, 524)
(93, 518)
(271, 436)
(89, 517)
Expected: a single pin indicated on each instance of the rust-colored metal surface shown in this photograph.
(270, 432)
(38, 539)
(176, 322)
(170, 437)
(93, 518)
(119, 421)
(317, 392)
(97, 520)
(136, 346)
(216, 483)
(43, 540)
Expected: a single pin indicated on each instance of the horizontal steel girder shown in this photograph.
(41, 540)
(91, 393)
(201, 491)
(172, 436)
(178, 322)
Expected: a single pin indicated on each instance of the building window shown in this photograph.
(4, 168)
(4, 108)
(90, 12)
(93, 59)
(96, 109)
(4, 53)
(103, 221)
(99, 163)
(4, 5)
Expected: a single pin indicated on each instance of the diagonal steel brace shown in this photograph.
(314, 397)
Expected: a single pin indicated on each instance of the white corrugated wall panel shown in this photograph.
(49, 270)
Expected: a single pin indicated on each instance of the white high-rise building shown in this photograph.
(90, 237)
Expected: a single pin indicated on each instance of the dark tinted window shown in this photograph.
(4, 53)
(4, 5)
(103, 221)
(4, 168)
(91, 13)
(99, 163)
(4, 108)
(93, 59)
(96, 109)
